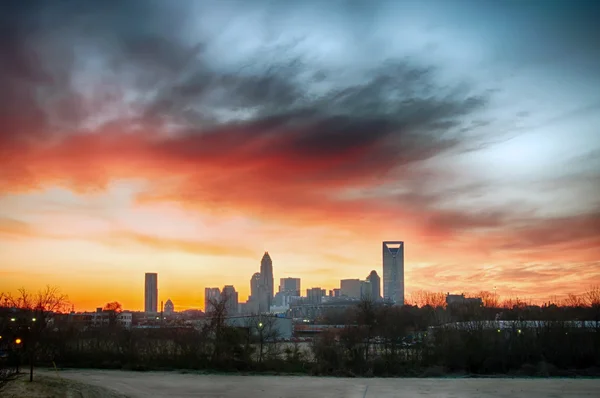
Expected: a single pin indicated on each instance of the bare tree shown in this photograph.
(367, 319)
(264, 329)
(39, 309)
(591, 298)
(489, 299)
(574, 301)
(216, 325)
(113, 308)
(423, 298)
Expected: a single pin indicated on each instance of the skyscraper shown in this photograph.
(393, 272)
(231, 296)
(151, 293)
(257, 299)
(266, 276)
(169, 307)
(290, 286)
(375, 285)
(255, 285)
(211, 294)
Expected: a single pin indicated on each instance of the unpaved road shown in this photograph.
(174, 385)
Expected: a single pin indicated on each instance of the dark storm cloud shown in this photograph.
(173, 82)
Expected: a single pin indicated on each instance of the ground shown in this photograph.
(51, 386)
(97, 383)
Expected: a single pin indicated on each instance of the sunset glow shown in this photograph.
(187, 140)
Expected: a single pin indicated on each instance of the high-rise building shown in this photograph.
(211, 294)
(351, 288)
(393, 272)
(169, 307)
(366, 292)
(255, 285)
(257, 302)
(315, 295)
(266, 276)
(151, 293)
(231, 296)
(375, 285)
(290, 286)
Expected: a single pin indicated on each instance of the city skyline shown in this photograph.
(188, 138)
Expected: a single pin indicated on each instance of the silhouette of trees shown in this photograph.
(423, 298)
(114, 309)
(375, 339)
(36, 310)
(114, 306)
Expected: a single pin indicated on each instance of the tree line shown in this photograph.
(378, 340)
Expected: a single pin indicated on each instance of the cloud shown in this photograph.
(125, 238)
(9, 227)
(266, 140)
(271, 127)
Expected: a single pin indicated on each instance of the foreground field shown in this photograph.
(45, 386)
(173, 385)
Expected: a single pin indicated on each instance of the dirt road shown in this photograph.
(174, 385)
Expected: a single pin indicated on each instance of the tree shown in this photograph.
(38, 310)
(489, 299)
(264, 329)
(422, 298)
(114, 306)
(367, 319)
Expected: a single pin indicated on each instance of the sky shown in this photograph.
(188, 137)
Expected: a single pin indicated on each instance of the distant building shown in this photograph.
(315, 295)
(366, 292)
(257, 295)
(267, 281)
(393, 272)
(255, 285)
(169, 307)
(151, 293)
(290, 286)
(375, 285)
(335, 293)
(232, 303)
(211, 294)
(458, 299)
(351, 288)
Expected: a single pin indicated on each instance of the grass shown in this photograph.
(53, 387)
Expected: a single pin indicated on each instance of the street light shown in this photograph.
(33, 319)
(18, 341)
(12, 319)
(260, 325)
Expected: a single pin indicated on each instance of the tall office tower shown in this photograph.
(257, 299)
(393, 272)
(266, 276)
(211, 294)
(375, 285)
(232, 299)
(290, 286)
(151, 293)
(255, 285)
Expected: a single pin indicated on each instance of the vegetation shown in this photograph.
(377, 340)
